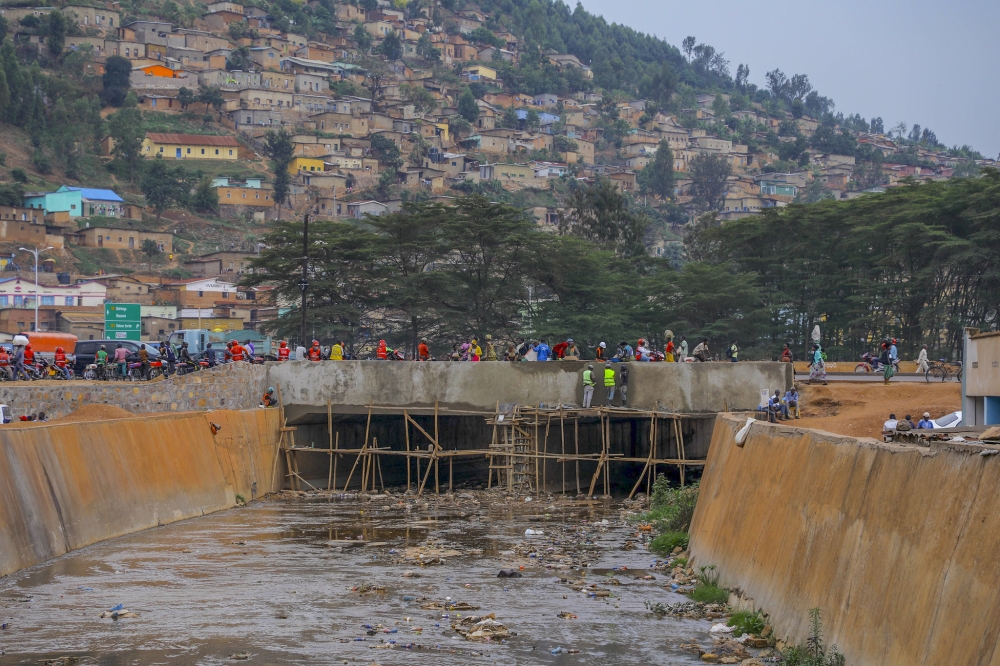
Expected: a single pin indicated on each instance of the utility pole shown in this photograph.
(304, 282)
(36, 252)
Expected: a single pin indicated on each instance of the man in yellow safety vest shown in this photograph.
(609, 381)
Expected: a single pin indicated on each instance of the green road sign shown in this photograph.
(122, 321)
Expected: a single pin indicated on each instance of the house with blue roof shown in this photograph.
(77, 201)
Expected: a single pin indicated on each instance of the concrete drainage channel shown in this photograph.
(323, 577)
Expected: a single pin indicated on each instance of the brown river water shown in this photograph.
(272, 583)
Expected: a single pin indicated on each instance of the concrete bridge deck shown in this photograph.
(351, 387)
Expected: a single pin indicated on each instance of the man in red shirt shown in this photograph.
(423, 353)
(315, 353)
(283, 351)
(559, 351)
(60, 359)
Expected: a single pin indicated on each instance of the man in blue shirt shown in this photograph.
(792, 401)
(925, 423)
(543, 351)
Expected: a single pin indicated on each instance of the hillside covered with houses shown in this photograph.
(152, 144)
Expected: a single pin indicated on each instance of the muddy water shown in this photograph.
(275, 580)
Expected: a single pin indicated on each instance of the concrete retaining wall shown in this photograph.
(64, 486)
(231, 386)
(352, 385)
(898, 545)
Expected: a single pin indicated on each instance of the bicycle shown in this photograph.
(944, 370)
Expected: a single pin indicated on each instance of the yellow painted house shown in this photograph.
(305, 164)
(190, 146)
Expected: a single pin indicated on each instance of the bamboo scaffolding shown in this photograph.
(518, 451)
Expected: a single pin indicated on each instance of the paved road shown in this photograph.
(865, 377)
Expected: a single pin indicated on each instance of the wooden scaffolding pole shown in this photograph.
(649, 460)
(364, 451)
(329, 431)
(406, 426)
(576, 440)
(562, 448)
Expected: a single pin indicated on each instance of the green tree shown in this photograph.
(206, 197)
(362, 38)
(467, 106)
(661, 179)
(164, 187)
(386, 151)
(185, 97)
(709, 179)
(55, 40)
(126, 129)
(601, 213)
(661, 85)
(377, 76)
(278, 147)
(426, 48)
(421, 98)
(391, 46)
(150, 248)
(117, 80)
(459, 127)
(239, 59)
(211, 96)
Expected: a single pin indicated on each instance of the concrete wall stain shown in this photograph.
(898, 545)
(65, 486)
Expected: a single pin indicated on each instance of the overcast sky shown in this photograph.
(917, 61)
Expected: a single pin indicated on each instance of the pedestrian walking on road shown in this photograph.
(588, 386)
(817, 368)
(922, 364)
(623, 388)
(609, 381)
(733, 352)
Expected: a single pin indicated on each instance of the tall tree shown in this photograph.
(391, 46)
(126, 129)
(600, 213)
(661, 171)
(278, 147)
(709, 179)
(164, 187)
(376, 78)
(55, 39)
(467, 107)
(362, 38)
(117, 80)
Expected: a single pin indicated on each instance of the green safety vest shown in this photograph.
(609, 376)
(588, 378)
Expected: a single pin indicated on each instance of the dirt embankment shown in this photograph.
(860, 409)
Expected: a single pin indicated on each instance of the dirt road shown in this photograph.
(860, 409)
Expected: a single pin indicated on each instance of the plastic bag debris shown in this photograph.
(531, 532)
(720, 628)
(240, 656)
(741, 436)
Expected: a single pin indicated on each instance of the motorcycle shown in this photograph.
(870, 363)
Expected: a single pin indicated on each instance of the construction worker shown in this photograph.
(283, 351)
(623, 378)
(601, 351)
(588, 386)
(269, 400)
(337, 351)
(609, 381)
(60, 359)
(423, 352)
(315, 353)
(237, 351)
